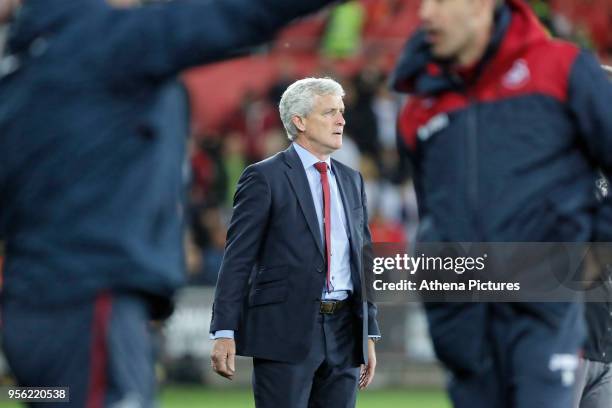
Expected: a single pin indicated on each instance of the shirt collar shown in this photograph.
(308, 159)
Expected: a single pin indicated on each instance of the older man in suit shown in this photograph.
(291, 291)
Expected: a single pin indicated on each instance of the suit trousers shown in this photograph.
(327, 377)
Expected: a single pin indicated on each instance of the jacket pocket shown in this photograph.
(270, 275)
(268, 295)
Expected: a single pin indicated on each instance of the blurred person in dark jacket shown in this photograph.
(507, 129)
(594, 380)
(92, 145)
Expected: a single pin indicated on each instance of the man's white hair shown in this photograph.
(298, 99)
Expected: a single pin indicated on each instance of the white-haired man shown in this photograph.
(290, 291)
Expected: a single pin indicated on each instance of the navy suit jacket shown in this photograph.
(273, 271)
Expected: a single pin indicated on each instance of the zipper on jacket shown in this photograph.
(472, 182)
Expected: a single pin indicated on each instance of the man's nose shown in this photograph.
(340, 119)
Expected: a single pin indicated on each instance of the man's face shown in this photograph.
(451, 26)
(323, 126)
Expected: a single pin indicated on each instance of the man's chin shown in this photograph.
(334, 148)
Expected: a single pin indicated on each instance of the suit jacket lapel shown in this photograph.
(299, 183)
(346, 188)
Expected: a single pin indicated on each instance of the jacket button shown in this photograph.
(320, 268)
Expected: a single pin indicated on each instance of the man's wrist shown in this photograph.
(222, 334)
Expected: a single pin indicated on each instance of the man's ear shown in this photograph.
(299, 123)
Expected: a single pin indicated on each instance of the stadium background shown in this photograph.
(235, 123)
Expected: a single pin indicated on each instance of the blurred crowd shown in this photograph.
(585, 22)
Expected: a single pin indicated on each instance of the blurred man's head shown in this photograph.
(7, 8)
(458, 30)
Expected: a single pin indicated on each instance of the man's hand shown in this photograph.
(367, 370)
(223, 356)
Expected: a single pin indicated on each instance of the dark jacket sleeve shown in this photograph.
(160, 40)
(246, 231)
(373, 329)
(603, 220)
(590, 100)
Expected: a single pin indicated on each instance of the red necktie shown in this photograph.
(322, 168)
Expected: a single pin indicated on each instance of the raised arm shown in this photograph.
(158, 41)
